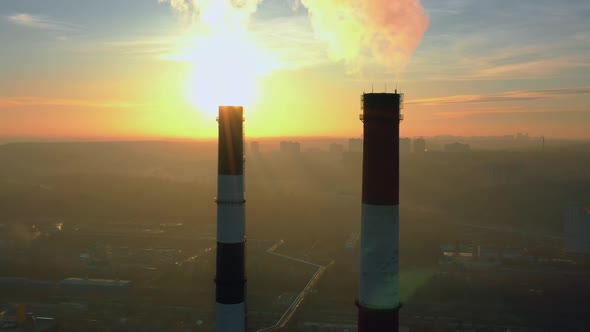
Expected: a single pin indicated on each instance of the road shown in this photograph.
(284, 320)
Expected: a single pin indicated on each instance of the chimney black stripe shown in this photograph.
(231, 141)
(231, 273)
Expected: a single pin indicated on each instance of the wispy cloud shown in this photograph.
(288, 40)
(515, 67)
(42, 22)
(157, 46)
(465, 63)
(501, 97)
(16, 102)
(502, 40)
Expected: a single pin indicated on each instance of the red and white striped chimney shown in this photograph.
(378, 302)
(230, 276)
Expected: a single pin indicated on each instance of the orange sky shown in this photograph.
(71, 72)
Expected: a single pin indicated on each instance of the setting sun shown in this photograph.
(227, 60)
(226, 69)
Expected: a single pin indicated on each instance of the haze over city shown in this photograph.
(294, 165)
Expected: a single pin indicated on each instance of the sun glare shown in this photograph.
(225, 72)
(227, 61)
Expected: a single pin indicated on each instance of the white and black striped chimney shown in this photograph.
(230, 279)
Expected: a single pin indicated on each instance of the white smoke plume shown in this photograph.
(358, 32)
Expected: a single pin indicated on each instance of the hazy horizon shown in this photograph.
(65, 139)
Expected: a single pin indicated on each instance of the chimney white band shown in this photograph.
(230, 223)
(379, 280)
(230, 188)
(230, 317)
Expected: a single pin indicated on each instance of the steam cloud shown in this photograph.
(388, 31)
(358, 32)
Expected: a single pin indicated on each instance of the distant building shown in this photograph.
(355, 145)
(419, 145)
(254, 147)
(405, 145)
(457, 147)
(290, 147)
(336, 148)
(577, 230)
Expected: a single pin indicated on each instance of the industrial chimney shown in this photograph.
(378, 302)
(230, 277)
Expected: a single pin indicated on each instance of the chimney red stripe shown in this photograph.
(377, 320)
(381, 149)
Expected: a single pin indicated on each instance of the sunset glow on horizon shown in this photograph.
(159, 69)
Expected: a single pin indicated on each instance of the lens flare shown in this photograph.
(227, 60)
(226, 69)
